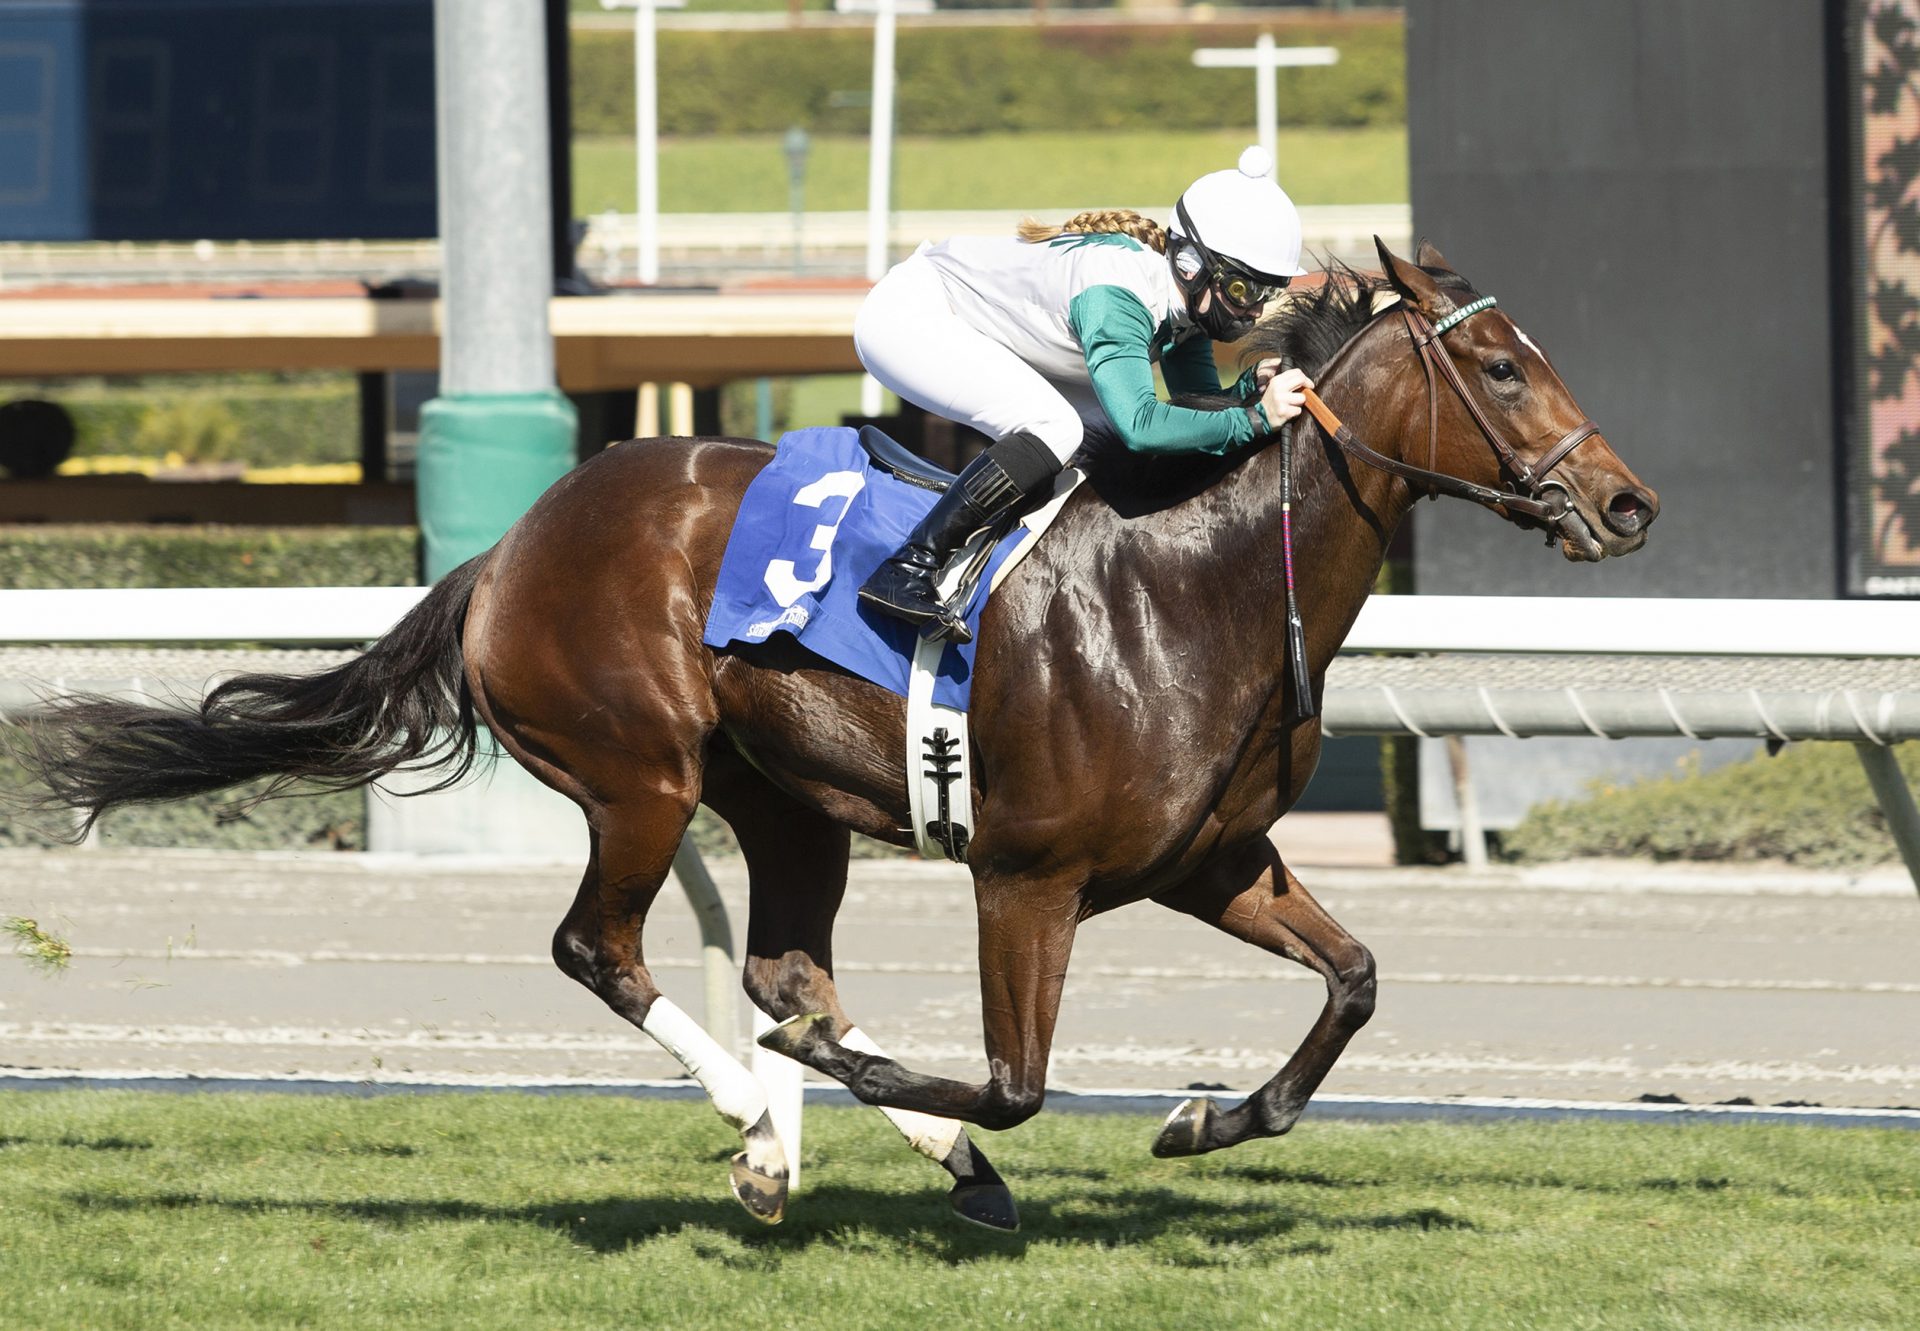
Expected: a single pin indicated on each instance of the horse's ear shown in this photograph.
(1414, 286)
(1429, 256)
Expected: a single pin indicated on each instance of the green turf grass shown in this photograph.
(136, 1210)
(1040, 171)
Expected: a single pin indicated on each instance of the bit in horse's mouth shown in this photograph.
(1577, 541)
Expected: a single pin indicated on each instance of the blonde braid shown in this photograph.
(1122, 220)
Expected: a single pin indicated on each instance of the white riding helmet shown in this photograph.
(1244, 216)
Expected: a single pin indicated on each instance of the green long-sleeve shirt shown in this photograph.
(1121, 342)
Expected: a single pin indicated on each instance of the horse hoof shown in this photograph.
(988, 1204)
(764, 1195)
(795, 1034)
(1186, 1130)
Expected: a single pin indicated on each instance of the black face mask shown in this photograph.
(1216, 320)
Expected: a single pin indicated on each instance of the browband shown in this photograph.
(1464, 313)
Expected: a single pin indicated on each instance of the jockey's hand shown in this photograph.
(1282, 400)
(1263, 372)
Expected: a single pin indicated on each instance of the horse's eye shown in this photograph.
(1503, 370)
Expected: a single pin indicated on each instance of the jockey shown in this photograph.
(1026, 340)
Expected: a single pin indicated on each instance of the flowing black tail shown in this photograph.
(403, 703)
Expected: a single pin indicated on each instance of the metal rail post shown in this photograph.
(1473, 836)
(781, 1076)
(500, 432)
(879, 170)
(716, 945)
(1896, 802)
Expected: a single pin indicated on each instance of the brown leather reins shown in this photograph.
(1536, 498)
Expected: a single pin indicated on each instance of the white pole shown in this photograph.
(721, 1018)
(784, 1081)
(646, 98)
(879, 170)
(1267, 100)
(1265, 59)
(1473, 835)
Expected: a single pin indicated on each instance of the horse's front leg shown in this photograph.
(1254, 897)
(1026, 937)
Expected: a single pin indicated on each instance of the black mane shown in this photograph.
(1305, 331)
(1310, 327)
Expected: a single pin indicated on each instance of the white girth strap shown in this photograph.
(927, 719)
(934, 730)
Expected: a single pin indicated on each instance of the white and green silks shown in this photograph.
(1003, 336)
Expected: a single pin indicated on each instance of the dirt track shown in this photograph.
(1578, 982)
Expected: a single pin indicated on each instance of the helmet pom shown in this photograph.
(1256, 161)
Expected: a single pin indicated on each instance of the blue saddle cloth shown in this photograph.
(812, 526)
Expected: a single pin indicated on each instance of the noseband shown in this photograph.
(1535, 497)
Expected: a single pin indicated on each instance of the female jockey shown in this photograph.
(1025, 339)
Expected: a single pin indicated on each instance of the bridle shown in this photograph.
(1535, 497)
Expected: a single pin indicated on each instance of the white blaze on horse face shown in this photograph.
(782, 577)
(1529, 341)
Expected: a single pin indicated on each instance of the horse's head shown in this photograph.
(1507, 422)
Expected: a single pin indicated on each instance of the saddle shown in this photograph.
(891, 456)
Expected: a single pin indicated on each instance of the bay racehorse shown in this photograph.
(1136, 727)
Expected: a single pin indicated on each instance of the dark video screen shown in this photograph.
(156, 120)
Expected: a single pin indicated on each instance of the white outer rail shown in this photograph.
(286, 615)
(1652, 626)
(1638, 626)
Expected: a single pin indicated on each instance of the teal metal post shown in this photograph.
(500, 432)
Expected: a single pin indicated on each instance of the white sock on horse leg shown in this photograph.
(736, 1093)
(932, 1137)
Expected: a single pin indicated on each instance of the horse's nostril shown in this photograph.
(1628, 512)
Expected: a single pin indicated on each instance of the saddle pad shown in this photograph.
(812, 526)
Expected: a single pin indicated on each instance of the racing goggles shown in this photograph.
(1243, 289)
(1238, 285)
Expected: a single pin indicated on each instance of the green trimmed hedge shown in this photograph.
(136, 556)
(269, 426)
(1808, 805)
(974, 80)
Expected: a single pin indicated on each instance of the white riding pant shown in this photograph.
(909, 338)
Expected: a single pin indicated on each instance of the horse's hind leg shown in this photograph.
(1026, 937)
(1257, 899)
(797, 875)
(598, 944)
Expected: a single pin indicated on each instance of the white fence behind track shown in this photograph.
(298, 616)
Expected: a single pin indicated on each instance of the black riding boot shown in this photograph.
(1000, 480)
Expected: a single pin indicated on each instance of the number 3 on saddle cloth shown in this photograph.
(812, 526)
